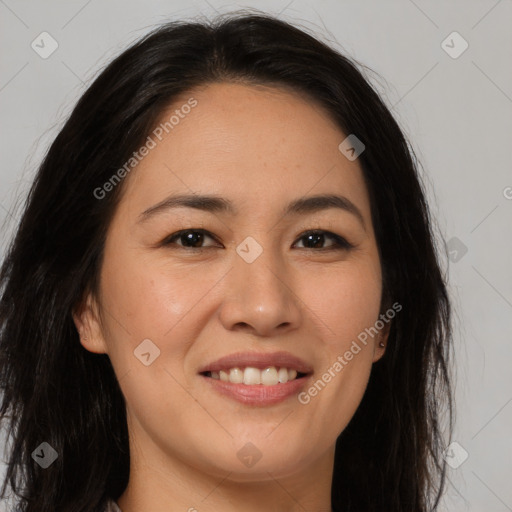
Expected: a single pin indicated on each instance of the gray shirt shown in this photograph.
(112, 506)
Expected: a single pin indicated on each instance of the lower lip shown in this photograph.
(257, 394)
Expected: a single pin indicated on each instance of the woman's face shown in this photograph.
(245, 294)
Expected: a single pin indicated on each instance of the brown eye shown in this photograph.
(315, 239)
(190, 238)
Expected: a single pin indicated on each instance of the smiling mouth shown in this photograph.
(250, 376)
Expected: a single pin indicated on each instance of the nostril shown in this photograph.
(242, 325)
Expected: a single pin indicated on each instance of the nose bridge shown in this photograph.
(262, 297)
(259, 264)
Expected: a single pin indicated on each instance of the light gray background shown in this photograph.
(457, 113)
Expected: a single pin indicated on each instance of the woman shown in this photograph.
(224, 292)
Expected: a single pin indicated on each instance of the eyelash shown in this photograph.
(340, 244)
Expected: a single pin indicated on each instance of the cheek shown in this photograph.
(150, 299)
(147, 299)
(347, 301)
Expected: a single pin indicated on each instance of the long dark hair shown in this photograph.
(390, 456)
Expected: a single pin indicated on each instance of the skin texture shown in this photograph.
(261, 148)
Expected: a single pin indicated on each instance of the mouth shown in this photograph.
(251, 376)
(257, 379)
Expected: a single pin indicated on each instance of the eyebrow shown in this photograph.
(216, 204)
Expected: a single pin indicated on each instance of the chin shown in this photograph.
(252, 463)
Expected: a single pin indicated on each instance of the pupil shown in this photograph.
(193, 238)
(316, 238)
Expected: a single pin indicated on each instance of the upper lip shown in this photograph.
(258, 360)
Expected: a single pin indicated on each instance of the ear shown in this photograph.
(88, 324)
(382, 338)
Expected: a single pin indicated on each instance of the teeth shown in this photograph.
(252, 376)
(236, 376)
(270, 376)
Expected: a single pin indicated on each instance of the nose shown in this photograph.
(260, 299)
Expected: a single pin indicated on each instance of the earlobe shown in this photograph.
(380, 343)
(87, 323)
(379, 350)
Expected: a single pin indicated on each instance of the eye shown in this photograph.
(189, 238)
(316, 237)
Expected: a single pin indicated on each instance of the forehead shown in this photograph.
(258, 146)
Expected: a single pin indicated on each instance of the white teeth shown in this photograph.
(270, 376)
(283, 375)
(236, 376)
(252, 376)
